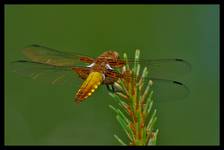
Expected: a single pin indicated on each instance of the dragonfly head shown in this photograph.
(112, 55)
(112, 59)
(115, 54)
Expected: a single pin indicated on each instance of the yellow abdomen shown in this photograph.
(89, 86)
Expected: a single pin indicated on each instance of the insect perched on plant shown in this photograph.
(104, 69)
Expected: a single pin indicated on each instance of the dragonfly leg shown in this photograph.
(110, 88)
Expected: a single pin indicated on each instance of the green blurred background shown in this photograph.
(39, 113)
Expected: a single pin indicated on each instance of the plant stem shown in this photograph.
(135, 104)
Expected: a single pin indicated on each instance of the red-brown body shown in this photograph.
(100, 71)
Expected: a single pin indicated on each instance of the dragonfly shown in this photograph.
(61, 67)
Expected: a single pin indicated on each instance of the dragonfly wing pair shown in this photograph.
(44, 72)
(47, 64)
(161, 72)
(58, 67)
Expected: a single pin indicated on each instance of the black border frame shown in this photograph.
(107, 2)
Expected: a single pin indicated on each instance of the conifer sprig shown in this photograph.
(134, 99)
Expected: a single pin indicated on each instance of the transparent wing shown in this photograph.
(169, 90)
(164, 89)
(45, 72)
(42, 54)
(165, 68)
